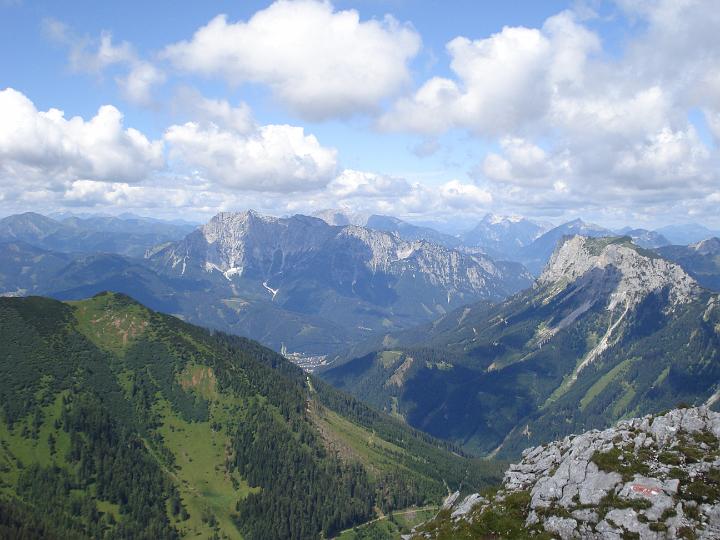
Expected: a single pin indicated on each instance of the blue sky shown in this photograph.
(433, 111)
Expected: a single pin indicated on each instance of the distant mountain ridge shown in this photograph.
(701, 260)
(293, 283)
(645, 238)
(609, 329)
(403, 229)
(359, 278)
(129, 236)
(504, 236)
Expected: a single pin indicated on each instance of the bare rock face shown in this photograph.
(640, 272)
(654, 477)
(249, 244)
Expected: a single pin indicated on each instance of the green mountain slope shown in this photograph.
(124, 423)
(609, 331)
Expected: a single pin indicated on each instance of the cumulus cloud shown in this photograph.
(91, 193)
(579, 128)
(318, 61)
(96, 55)
(381, 194)
(502, 82)
(351, 183)
(272, 158)
(189, 102)
(522, 162)
(138, 84)
(46, 147)
(464, 196)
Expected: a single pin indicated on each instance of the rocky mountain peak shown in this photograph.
(495, 219)
(248, 244)
(710, 246)
(237, 222)
(653, 477)
(638, 272)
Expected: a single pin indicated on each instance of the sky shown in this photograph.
(431, 111)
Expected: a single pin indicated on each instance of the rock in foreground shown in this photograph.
(654, 477)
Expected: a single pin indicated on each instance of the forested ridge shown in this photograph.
(118, 422)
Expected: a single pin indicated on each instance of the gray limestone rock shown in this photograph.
(565, 528)
(570, 497)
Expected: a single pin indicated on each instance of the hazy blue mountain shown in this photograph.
(645, 238)
(403, 229)
(27, 270)
(608, 330)
(687, 233)
(131, 224)
(297, 282)
(503, 236)
(409, 232)
(340, 217)
(29, 227)
(131, 236)
(536, 254)
(701, 260)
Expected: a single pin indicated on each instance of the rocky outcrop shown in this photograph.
(637, 273)
(654, 477)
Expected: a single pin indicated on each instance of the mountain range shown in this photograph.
(504, 236)
(608, 330)
(127, 235)
(293, 283)
(296, 283)
(142, 425)
(324, 285)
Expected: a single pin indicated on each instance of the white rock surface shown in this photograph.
(570, 497)
(640, 274)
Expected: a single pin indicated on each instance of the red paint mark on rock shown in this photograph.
(645, 490)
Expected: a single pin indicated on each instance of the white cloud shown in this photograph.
(351, 183)
(319, 62)
(190, 102)
(577, 127)
(96, 55)
(272, 158)
(92, 193)
(502, 82)
(455, 194)
(138, 84)
(45, 147)
(86, 54)
(522, 162)
(713, 120)
(375, 193)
